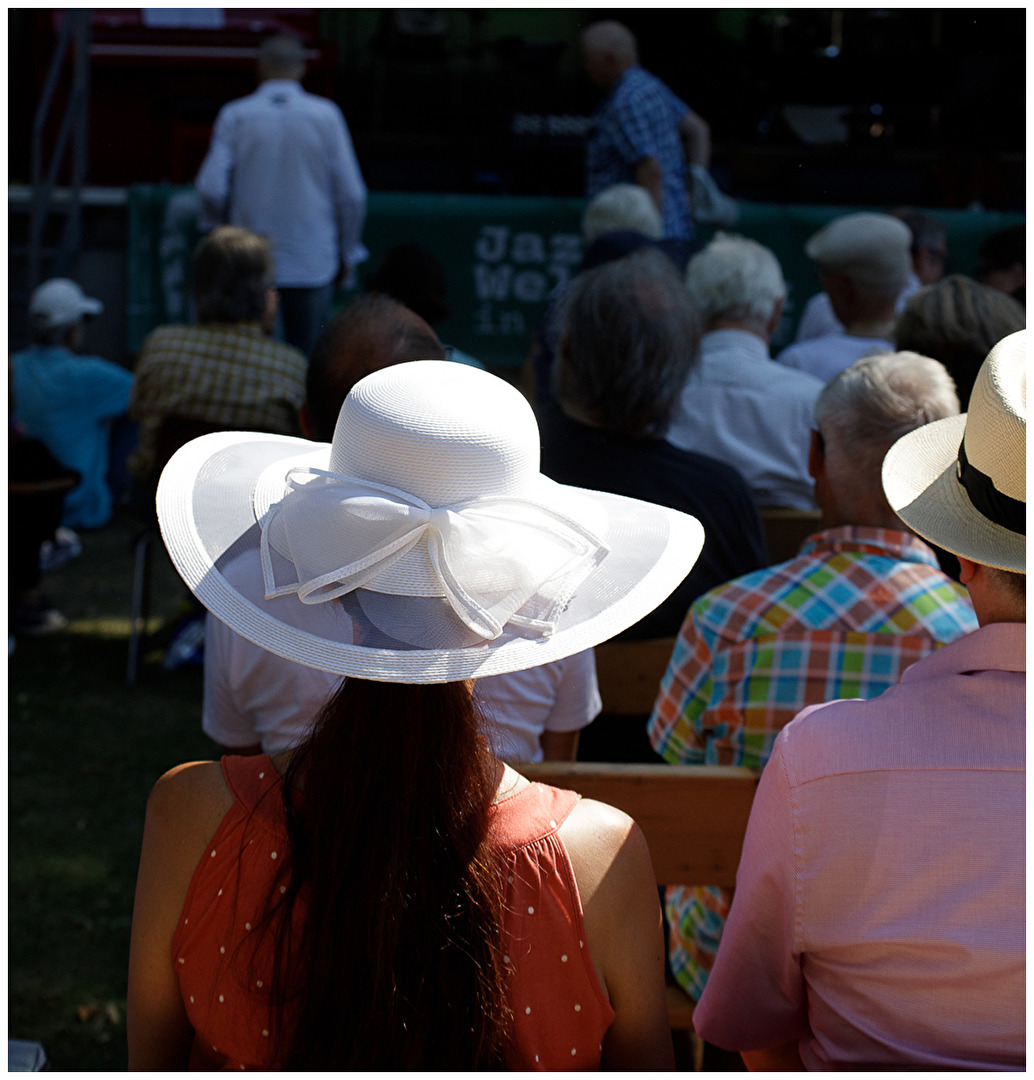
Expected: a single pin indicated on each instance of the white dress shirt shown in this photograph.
(281, 164)
(741, 407)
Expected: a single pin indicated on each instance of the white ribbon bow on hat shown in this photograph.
(490, 557)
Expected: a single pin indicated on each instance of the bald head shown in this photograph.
(373, 332)
(608, 50)
(281, 57)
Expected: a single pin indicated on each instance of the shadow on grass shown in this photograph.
(84, 751)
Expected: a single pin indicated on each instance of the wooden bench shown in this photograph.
(694, 818)
(786, 529)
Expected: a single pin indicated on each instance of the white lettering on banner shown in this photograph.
(528, 247)
(491, 244)
(499, 253)
(492, 283)
(530, 286)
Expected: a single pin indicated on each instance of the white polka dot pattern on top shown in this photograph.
(543, 923)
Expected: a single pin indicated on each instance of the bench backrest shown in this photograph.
(629, 674)
(694, 817)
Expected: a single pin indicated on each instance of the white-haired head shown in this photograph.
(736, 280)
(622, 206)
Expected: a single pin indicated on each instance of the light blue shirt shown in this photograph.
(68, 402)
(281, 164)
(825, 357)
(741, 407)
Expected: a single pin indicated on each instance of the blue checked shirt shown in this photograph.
(640, 119)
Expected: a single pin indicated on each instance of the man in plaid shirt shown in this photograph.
(862, 601)
(226, 372)
(642, 133)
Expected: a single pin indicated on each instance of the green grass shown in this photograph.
(84, 750)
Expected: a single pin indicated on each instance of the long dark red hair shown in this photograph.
(388, 936)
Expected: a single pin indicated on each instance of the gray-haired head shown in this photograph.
(232, 271)
(622, 206)
(608, 50)
(861, 413)
(609, 35)
(629, 338)
(281, 56)
(736, 280)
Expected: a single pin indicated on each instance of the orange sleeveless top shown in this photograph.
(561, 1012)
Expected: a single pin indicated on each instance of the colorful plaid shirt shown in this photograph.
(843, 619)
(226, 374)
(640, 119)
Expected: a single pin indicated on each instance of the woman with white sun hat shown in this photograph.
(389, 895)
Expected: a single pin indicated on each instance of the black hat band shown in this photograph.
(1000, 509)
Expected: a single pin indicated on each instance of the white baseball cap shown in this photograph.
(60, 302)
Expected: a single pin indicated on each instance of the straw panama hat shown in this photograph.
(423, 544)
(961, 482)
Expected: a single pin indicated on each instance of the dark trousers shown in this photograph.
(303, 314)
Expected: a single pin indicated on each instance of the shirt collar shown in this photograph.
(866, 540)
(995, 647)
(745, 343)
(279, 86)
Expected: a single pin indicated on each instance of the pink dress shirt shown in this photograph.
(879, 909)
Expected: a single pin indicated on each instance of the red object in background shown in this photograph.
(158, 76)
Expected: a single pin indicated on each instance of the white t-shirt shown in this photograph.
(253, 696)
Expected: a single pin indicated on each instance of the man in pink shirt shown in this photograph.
(878, 919)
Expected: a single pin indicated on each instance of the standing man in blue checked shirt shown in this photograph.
(281, 164)
(642, 132)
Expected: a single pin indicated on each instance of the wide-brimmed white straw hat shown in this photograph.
(423, 544)
(961, 482)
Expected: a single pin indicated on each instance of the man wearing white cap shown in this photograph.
(878, 919)
(864, 262)
(68, 401)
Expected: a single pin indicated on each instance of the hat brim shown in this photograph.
(206, 511)
(922, 487)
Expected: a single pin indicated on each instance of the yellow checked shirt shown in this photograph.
(224, 374)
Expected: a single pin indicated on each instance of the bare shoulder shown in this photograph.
(189, 802)
(605, 846)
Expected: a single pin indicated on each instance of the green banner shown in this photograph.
(502, 256)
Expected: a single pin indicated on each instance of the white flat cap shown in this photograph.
(870, 249)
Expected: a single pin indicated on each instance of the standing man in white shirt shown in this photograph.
(281, 164)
